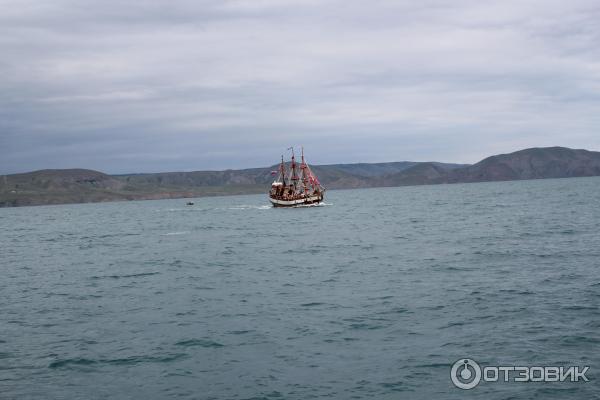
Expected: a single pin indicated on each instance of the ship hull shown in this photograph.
(314, 199)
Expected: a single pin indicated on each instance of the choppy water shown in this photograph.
(372, 296)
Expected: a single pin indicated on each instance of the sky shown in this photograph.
(166, 85)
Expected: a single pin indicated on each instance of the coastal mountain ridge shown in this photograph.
(58, 186)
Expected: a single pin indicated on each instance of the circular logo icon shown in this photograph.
(465, 374)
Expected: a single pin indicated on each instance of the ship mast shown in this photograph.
(293, 171)
(282, 171)
(303, 172)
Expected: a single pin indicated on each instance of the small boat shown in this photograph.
(297, 186)
(189, 203)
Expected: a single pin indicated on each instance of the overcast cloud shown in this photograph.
(143, 86)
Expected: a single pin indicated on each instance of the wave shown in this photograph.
(322, 204)
(126, 276)
(71, 363)
(198, 342)
(250, 207)
(313, 304)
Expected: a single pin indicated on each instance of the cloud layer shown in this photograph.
(184, 85)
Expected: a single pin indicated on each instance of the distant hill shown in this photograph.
(376, 170)
(420, 174)
(55, 186)
(82, 186)
(536, 163)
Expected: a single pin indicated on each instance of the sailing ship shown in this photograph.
(295, 186)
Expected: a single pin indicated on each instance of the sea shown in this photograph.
(374, 294)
